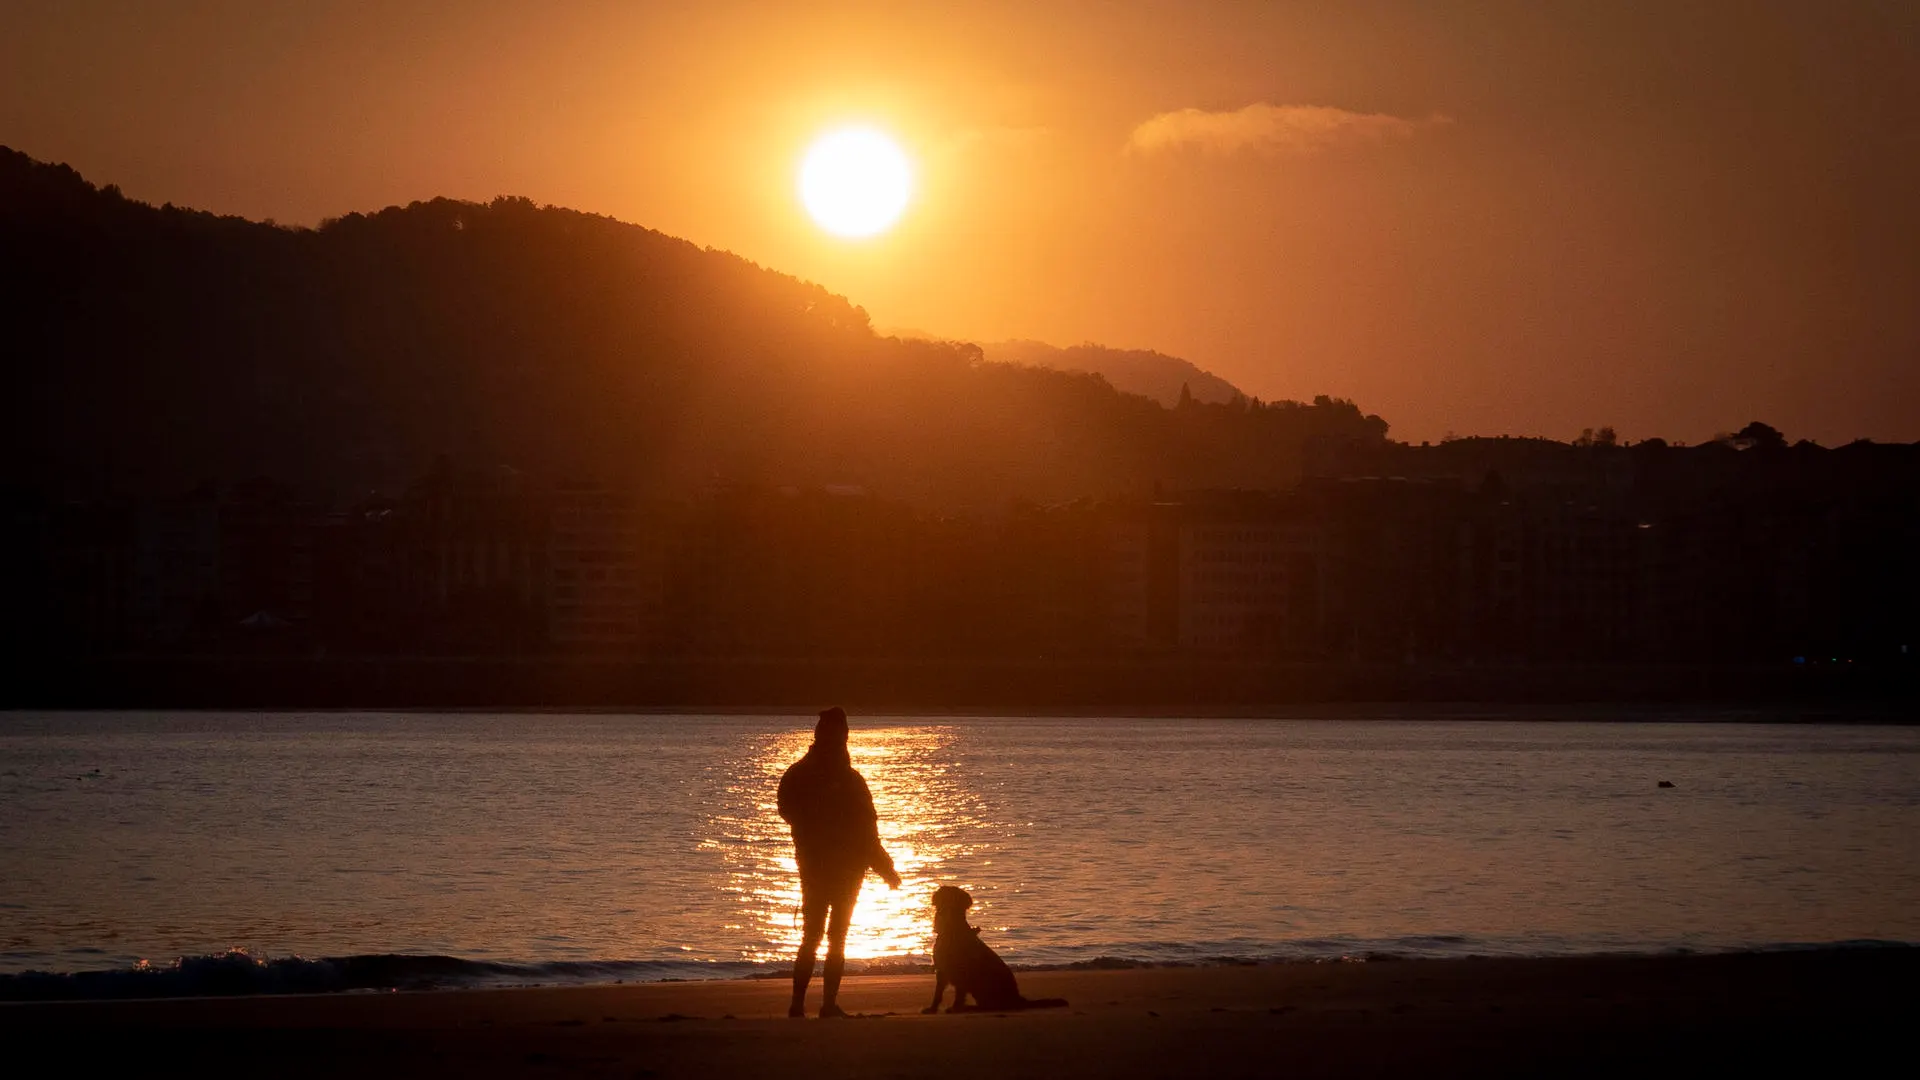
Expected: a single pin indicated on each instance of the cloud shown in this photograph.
(1271, 130)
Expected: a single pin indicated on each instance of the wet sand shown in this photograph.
(1829, 1010)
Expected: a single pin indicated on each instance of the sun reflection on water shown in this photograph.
(924, 812)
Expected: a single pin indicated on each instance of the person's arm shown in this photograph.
(879, 861)
(882, 864)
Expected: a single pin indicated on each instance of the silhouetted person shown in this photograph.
(836, 840)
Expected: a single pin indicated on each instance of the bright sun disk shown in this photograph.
(855, 182)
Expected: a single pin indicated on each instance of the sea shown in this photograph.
(156, 854)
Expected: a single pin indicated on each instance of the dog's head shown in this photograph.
(950, 902)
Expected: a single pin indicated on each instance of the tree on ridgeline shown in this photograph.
(1757, 436)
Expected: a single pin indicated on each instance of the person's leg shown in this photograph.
(813, 917)
(837, 949)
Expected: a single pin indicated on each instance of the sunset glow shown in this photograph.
(855, 182)
(924, 812)
(700, 539)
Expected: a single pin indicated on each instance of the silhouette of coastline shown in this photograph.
(253, 465)
(1118, 686)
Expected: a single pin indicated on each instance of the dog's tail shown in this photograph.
(1043, 1003)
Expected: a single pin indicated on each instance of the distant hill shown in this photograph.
(151, 349)
(1136, 371)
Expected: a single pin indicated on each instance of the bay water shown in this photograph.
(344, 850)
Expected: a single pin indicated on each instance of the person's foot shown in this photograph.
(832, 1012)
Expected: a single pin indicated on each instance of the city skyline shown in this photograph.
(1748, 555)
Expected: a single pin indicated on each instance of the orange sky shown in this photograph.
(1526, 217)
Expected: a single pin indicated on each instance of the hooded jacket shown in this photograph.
(836, 831)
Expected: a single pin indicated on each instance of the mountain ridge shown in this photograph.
(159, 347)
(1146, 372)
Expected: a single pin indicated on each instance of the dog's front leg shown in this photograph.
(939, 990)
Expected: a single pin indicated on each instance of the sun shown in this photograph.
(855, 182)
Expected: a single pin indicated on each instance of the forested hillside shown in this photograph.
(153, 348)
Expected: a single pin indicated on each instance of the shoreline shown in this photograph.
(240, 975)
(1882, 714)
(1587, 1015)
(1194, 685)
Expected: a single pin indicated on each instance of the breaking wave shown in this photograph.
(239, 973)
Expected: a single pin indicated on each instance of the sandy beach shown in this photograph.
(1830, 1009)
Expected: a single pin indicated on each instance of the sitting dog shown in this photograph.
(961, 958)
